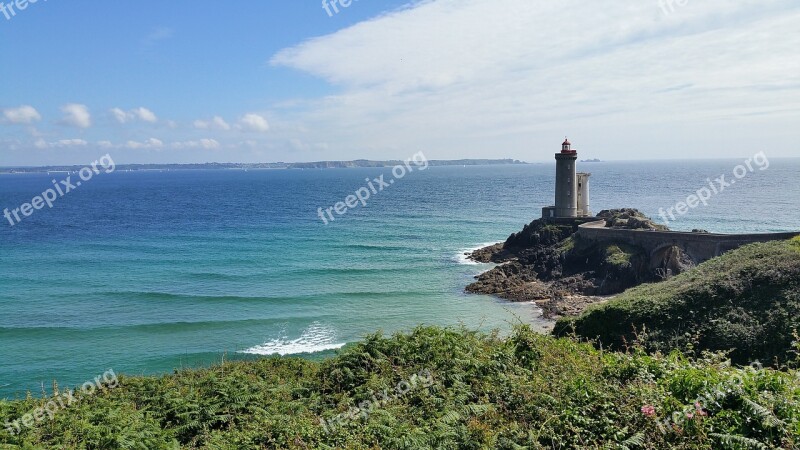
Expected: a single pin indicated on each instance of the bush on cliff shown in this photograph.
(746, 302)
(478, 391)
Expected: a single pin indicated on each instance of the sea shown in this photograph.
(146, 272)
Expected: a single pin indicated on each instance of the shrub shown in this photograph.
(746, 302)
(524, 391)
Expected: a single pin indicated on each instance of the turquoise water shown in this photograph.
(144, 272)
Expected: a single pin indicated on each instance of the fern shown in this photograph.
(278, 402)
(739, 442)
(451, 417)
(637, 440)
(764, 415)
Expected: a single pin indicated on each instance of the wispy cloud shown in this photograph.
(205, 144)
(480, 74)
(217, 123)
(62, 143)
(486, 78)
(143, 114)
(156, 36)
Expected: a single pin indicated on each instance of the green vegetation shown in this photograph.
(567, 245)
(619, 255)
(527, 391)
(746, 302)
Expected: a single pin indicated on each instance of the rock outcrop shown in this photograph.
(547, 262)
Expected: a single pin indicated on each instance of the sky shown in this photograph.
(296, 80)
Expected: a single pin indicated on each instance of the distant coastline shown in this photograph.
(255, 166)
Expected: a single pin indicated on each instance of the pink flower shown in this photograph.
(649, 410)
(699, 409)
(689, 415)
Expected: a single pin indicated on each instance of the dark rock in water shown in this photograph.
(696, 230)
(548, 263)
(493, 253)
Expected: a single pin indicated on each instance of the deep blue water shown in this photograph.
(144, 272)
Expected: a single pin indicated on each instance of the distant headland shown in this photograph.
(275, 165)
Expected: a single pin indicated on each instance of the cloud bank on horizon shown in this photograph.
(630, 79)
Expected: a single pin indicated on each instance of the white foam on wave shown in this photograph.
(316, 338)
(462, 257)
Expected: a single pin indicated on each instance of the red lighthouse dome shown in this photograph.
(566, 147)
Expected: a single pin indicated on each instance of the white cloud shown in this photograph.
(141, 113)
(206, 144)
(134, 145)
(63, 143)
(105, 144)
(254, 122)
(473, 75)
(209, 144)
(145, 115)
(72, 143)
(119, 115)
(76, 115)
(25, 114)
(217, 123)
(151, 143)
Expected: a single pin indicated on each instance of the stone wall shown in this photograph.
(699, 246)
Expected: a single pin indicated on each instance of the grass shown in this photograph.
(746, 302)
(619, 255)
(485, 392)
(567, 245)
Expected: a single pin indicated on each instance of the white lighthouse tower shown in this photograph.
(572, 188)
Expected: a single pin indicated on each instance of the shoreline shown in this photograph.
(552, 307)
(552, 265)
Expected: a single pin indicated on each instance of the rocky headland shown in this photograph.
(548, 263)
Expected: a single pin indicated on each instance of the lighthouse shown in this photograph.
(566, 181)
(572, 188)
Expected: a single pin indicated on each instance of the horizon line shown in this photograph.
(513, 161)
